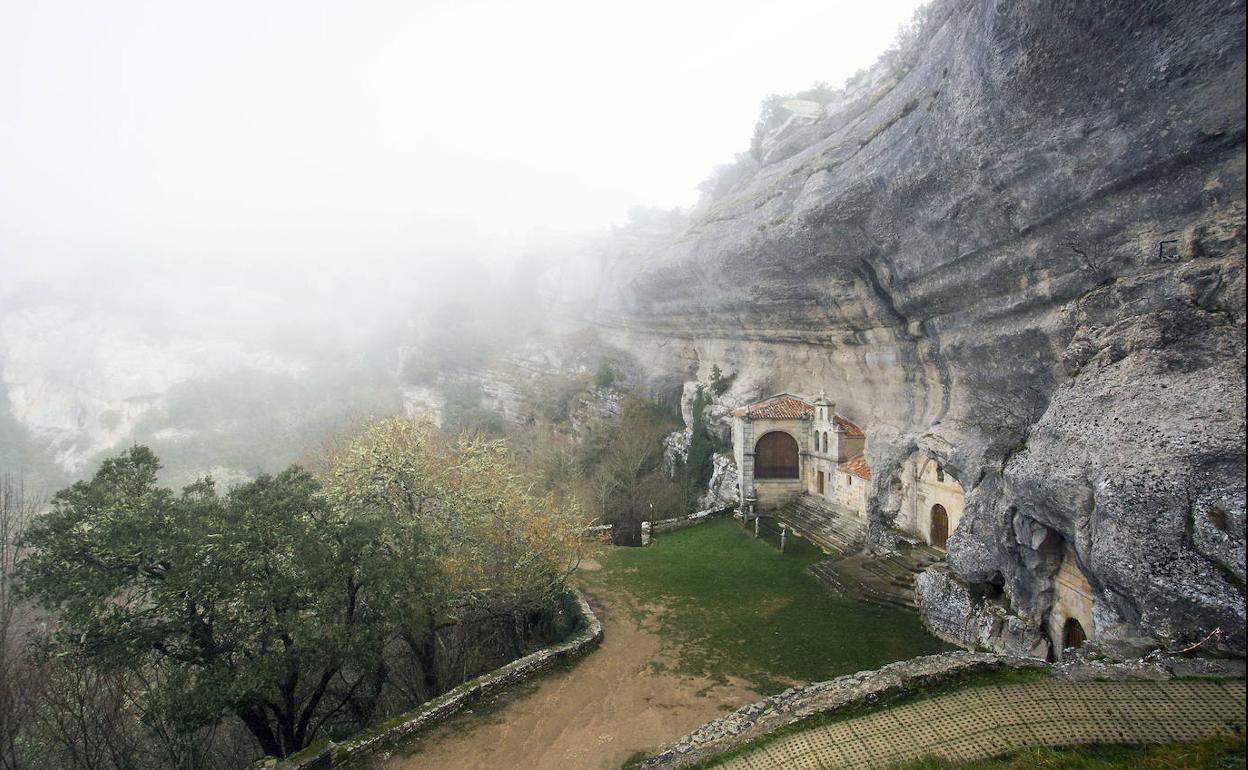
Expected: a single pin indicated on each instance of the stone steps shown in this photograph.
(886, 580)
(837, 531)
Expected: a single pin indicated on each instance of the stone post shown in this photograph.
(755, 526)
(645, 533)
(784, 536)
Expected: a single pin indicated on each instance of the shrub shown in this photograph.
(605, 376)
(719, 383)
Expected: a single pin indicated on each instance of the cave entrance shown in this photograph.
(775, 456)
(939, 530)
(1073, 634)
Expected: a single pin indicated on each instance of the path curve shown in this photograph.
(609, 706)
(981, 722)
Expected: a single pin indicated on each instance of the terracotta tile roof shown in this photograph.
(847, 427)
(779, 408)
(857, 466)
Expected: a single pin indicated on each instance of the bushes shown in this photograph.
(463, 412)
(719, 383)
(703, 445)
(410, 562)
(554, 397)
(605, 376)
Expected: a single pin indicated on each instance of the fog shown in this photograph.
(188, 190)
(283, 130)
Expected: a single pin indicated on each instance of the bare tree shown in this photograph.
(17, 679)
(1007, 409)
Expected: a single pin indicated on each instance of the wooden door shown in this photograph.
(940, 526)
(819, 481)
(1073, 634)
(775, 457)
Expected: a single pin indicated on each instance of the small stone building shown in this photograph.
(852, 482)
(932, 500)
(787, 445)
(1070, 618)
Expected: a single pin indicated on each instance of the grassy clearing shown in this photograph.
(740, 607)
(1213, 754)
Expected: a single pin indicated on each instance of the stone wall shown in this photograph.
(752, 722)
(684, 522)
(870, 688)
(924, 488)
(337, 753)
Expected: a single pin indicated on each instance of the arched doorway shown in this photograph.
(775, 456)
(940, 526)
(1073, 634)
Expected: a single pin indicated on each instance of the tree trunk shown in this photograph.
(258, 725)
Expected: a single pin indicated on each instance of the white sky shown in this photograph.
(279, 129)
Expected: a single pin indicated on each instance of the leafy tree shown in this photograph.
(555, 397)
(700, 464)
(768, 113)
(605, 376)
(463, 412)
(281, 601)
(494, 550)
(622, 458)
(263, 603)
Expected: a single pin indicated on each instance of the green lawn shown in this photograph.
(748, 610)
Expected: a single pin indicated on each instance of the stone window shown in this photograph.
(940, 472)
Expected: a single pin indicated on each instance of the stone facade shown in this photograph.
(929, 489)
(824, 440)
(1072, 603)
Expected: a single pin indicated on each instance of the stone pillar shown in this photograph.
(746, 470)
(645, 533)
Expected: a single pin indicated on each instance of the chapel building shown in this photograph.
(787, 445)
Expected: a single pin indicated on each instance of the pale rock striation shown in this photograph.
(1018, 246)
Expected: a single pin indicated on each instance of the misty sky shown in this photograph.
(287, 129)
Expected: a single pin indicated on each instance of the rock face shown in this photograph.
(721, 491)
(1017, 245)
(955, 613)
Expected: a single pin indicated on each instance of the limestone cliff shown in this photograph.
(1019, 246)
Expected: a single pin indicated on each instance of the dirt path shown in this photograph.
(595, 715)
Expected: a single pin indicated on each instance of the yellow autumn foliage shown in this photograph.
(490, 537)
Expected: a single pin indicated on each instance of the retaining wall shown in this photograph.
(749, 723)
(684, 522)
(329, 754)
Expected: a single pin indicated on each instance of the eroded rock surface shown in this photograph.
(1018, 246)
